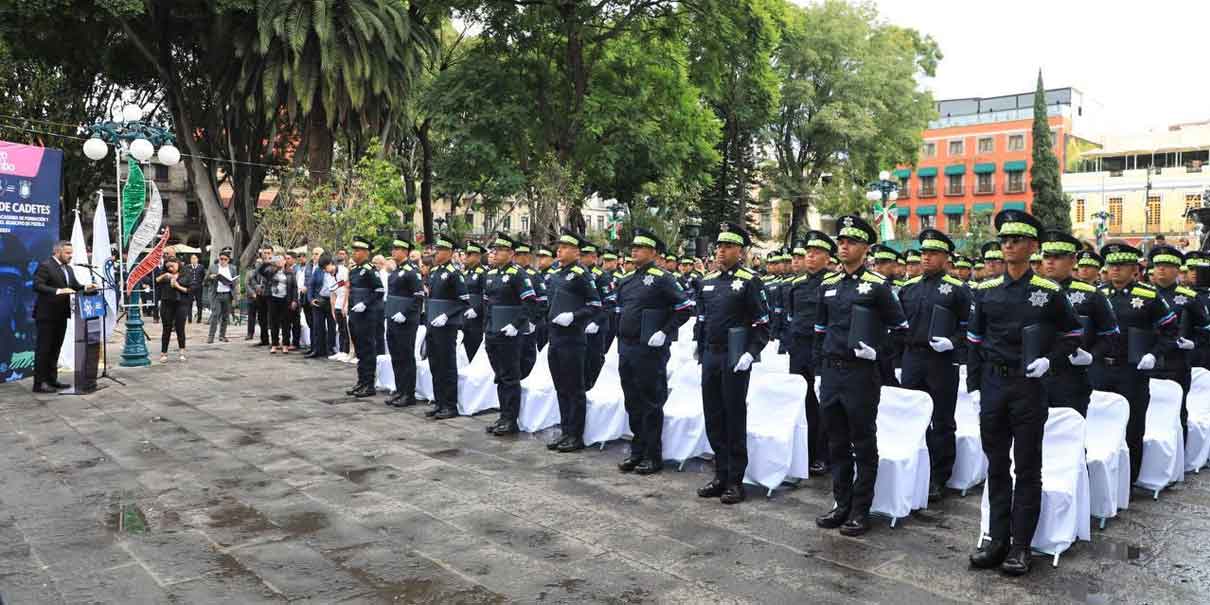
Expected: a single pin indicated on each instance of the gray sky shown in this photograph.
(1146, 62)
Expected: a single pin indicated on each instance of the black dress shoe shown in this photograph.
(573, 444)
(394, 400)
(365, 391)
(817, 468)
(1017, 562)
(629, 464)
(990, 554)
(832, 519)
(857, 525)
(429, 413)
(648, 467)
(506, 428)
(713, 489)
(935, 492)
(554, 445)
(354, 390)
(41, 389)
(445, 414)
(489, 429)
(733, 495)
(57, 385)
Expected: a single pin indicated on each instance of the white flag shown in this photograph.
(149, 228)
(79, 256)
(102, 256)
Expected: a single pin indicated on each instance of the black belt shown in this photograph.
(1006, 371)
(837, 363)
(716, 348)
(1111, 362)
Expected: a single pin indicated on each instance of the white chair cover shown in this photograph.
(970, 465)
(1107, 454)
(903, 456)
(476, 386)
(606, 418)
(304, 335)
(1163, 442)
(1197, 446)
(777, 425)
(684, 433)
(1065, 493)
(539, 403)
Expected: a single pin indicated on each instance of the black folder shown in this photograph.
(1090, 333)
(654, 321)
(476, 303)
(942, 324)
(737, 345)
(1139, 342)
(1186, 330)
(436, 306)
(361, 295)
(865, 326)
(224, 279)
(565, 302)
(395, 304)
(503, 315)
(1036, 341)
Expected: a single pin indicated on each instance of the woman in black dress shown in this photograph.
(174, 306)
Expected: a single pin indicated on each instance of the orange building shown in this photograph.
(975, 157)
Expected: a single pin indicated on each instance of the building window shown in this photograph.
(984, 183)
(953, 222)
(1080, 210)
(161, 172)
(905, 187)
(1016, 182)
(953, 184)
(600, 222)
(987, 145)
(928, 150)
(928, 186)
(525, 224)
(956, 148)
(1115, 215)
(928, 221)
(980, 219)
(1153, 212)
(1016, 142)
(507, 224)
(766, 222)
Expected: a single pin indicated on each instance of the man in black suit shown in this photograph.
(54, 283)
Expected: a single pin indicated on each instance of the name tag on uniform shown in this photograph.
(707, 288)
(828, 293)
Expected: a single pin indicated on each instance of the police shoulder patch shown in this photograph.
(991, 283)
(596, 271)
(1044, 283)
(493, 272)
(916, 280)
(873, 277)
(832, 279)
(1142, 292)
(1185, 291)
(654, 271)
(743, 274)
(1080, 286)
(511, 271)
(711, 275)
(953, 281)
(578, 270)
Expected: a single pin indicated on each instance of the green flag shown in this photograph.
(134, 198)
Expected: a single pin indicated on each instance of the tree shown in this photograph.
(1050, 206)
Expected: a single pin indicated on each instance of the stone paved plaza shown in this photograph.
(240, 477)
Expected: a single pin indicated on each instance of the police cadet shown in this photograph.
(772, 282)
(1035, 262)
(609, 266)
(507, 284)
(850, 380)
(1067, 383)
(534, 337)
(448, 285)
(731, 297)
(594, 357)
(1176, 365)
(911, 260)
(1199, 271)
(1013, 409)
(929, 362)
(670, 262)
(1088, 267)
(404, 282)
(963, 268)
(643, 365)
(472, 324)
(689, 277)
(574, 301)
(1136, 305)
(993, 257)
(802, 302)
(365, 315)
(886, 264)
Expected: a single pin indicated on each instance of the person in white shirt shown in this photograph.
(224, 277)
(340, 309)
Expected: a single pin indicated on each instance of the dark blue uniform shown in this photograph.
(472, 329)
(365, 287)
(446, 283)
(405, 282)
(594, 358)
(571, 289)
(535, 338)
(508, 285)
(1177, 365)
(1069, 386)
(927, 370)
(1201, 355)
(801, 298)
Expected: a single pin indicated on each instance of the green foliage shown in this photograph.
(1050, 205)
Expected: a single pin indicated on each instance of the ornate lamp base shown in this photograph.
(134, 353)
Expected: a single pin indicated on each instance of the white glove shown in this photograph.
(1080, 358)
(1038, 368)
(941, 345)
(358, 308)
(470, 314)
(744, 364)
(439, 321)
(1184, 344)
(529, 329)
(509, 331)
(1147, 362)
(399, 318)
(592, 328)
(657, 339)
(865, 352)
(563, 319)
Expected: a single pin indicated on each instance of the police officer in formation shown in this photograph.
(730, 298)
(929, 362)
(365, 316)
(647, 296)
(472, 325)
(1191, 315)
(405, 296)
(1013, 407)
(850, 379)
(574, 302)
(1199, 279)
(595, 356)
(451, 301)
(802, 304)
(536, 331)
(510, 302)
(1088, 267)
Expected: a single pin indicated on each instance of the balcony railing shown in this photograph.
(928, 191)
(985, 189)
(954, 189)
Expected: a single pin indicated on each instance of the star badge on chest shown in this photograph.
(1038, 298)
(737, 285)
(1075, 297)
(570, 276)
(1180, 299)
(650, 279)
(864, 287)
(506, 279)
(1136, 302)
(945, 288)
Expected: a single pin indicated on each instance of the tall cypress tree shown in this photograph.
(1050, 205)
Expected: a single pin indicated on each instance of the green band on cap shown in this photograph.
(1025, 229)
(993, 255)
(522, 249)
(887, 256)
(818, 243)
(1167, 259)
(1058, 248)
(444, 243)
(1088, 261)
(569, 240)
(727, 237)
(802, 251)
(1121, 258)
(1198, 262)
(609, 256)
(854, 233)
(643, 240)
(979, 265)
(360, 244)
(502, 243)
(589, 249)
(474, 249)
(963, 264)
(935, 244)
(544, 252)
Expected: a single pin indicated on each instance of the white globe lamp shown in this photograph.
(132, 113)
(884, 175)
(873, 195)
(169, 155)
(142, 150)
(893, 196)
(95, 149)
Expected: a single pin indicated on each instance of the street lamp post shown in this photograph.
(883, 194)
(130, 136)
(693, 228)
(615, 217)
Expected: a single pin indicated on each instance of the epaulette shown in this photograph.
(712, 275)
(577, 269)
(1044, 283)
(493, 272)
(768, 277)
(596, 270)
(832, 279)
(991, 283)
(408, 267)
(479, 269)
(743, 274)
(1185, 291)
(1144, 292)
(914, 280)
(654, 271)
(799, 278)
(954, 281)
(511, 270)
(872, 277)
(1080, 286)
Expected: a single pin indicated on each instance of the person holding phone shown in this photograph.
(175, 303)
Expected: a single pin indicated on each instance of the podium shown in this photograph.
(88, 313)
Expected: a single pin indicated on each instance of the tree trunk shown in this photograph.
(320, 140)
(426, 179)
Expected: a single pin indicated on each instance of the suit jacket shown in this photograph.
(49, 277)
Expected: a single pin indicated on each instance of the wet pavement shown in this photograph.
(241, 477)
